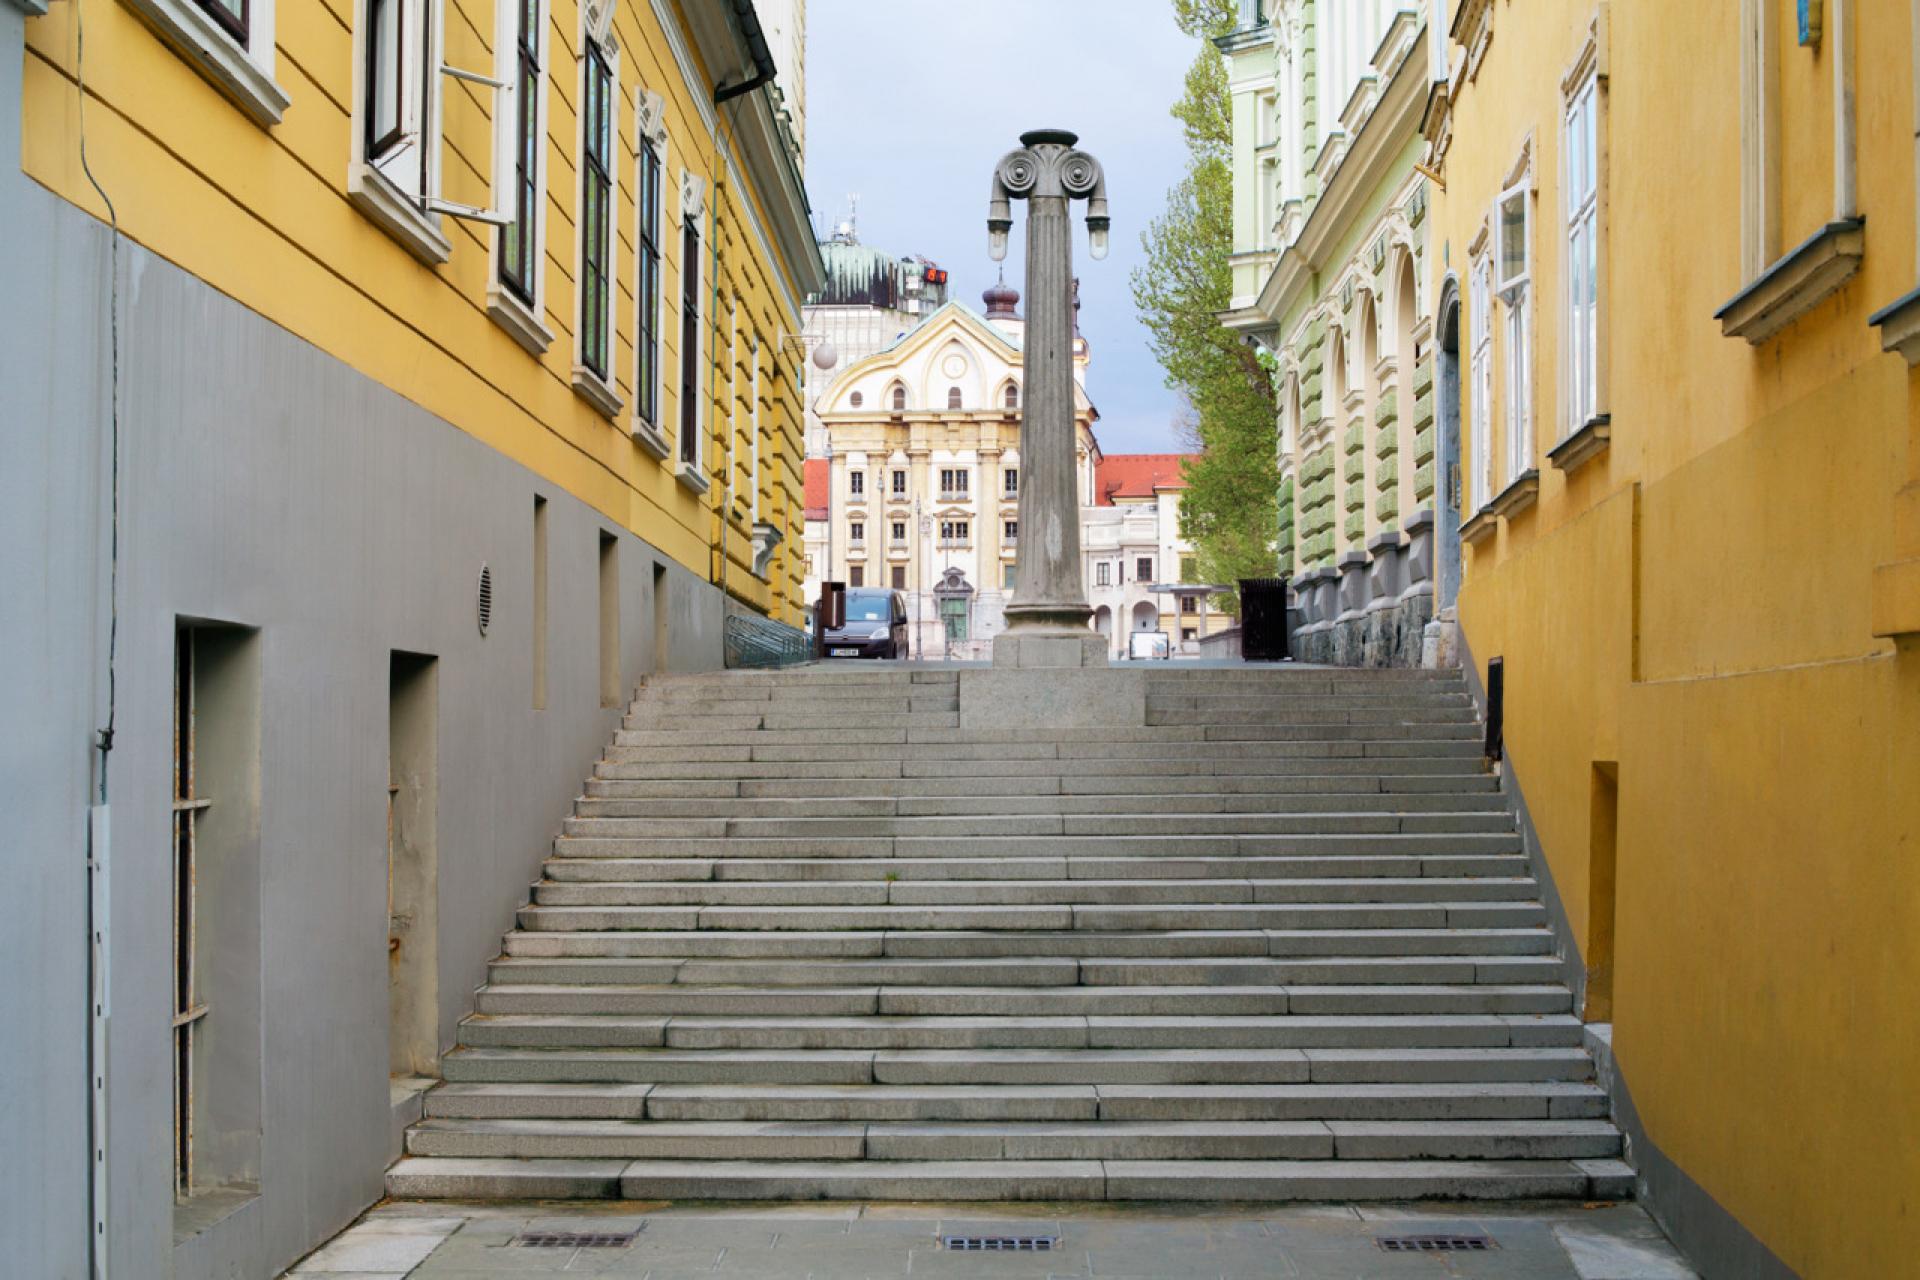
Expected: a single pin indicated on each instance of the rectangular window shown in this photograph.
(690, 344)
(900, 531)
(1143, 569)
(899, 484)
(857, 484)
(1007, 572)
(1103, 574)
(519, 239)
(387, 79)
(856, 575)
(646, 389)
(954, 482)
(1011, 531)
(899, 577)
(1480, 324)
(596, 194)
(857, 531)
(1189, 604)
(1189, 569)
(1583, 255)
(1013, 483)
(954, 530)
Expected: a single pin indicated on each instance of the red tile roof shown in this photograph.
(818, 480)
(1137, 475)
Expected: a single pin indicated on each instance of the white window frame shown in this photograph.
(596, 36)
(243, 71)
(524, 319)
(650, 127)
(1584, 252)
(753, 423)
(691, 448)
(1480, 382)
(400, 188)
(1516, 345)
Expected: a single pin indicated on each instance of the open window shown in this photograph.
(1511, 261)
(516, 295)
(401, 114)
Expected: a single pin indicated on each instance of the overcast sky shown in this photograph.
(910, 103)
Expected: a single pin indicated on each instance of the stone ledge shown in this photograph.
(1896, 599)
(649, 437)
(518, 319)
(596, 391)
(1796, 284)
(1479, 525)
(1899, 325)
(1584, 445)
(1518, 496)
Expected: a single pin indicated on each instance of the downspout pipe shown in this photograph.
(756, 38)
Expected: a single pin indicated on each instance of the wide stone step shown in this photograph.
(1116, 824)
(428, 1177)
(729, 806)
(956, 944)
(917, 892)
(1153, 845)
(1365, 758)
(583, 1138)
(1094, 786)
(640, 1066)
(858, 739)
(1027, 971)
(1201, 916)
(1253, 867)
(608, 1038)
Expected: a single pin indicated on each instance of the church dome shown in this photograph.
(1003, 301)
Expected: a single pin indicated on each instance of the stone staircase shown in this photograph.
(804, 937)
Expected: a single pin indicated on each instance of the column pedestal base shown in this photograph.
(1031, 649)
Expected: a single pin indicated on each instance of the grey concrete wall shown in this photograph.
(267, 485)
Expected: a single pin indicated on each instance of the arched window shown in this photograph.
(953, 397)
(899, 399)
(855, 400)
(1011, 398)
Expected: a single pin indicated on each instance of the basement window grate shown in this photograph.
(573, 1240)
(1000, 1244)
(1435, 1244)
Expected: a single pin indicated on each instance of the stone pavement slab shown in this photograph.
(826, 1240)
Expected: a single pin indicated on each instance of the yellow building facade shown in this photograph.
(1673, 258)
(280, 158)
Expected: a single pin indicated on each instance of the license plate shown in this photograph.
(844, 653)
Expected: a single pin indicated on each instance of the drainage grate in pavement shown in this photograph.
(573, 1240)
(1435, 1244)
(1000, 1244)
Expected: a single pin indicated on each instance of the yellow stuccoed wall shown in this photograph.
(262, 214)
(1695, 605)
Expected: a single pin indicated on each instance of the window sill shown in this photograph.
(1896, 599)
(689, 475)
(374, 194)
(1584, 445)
(207, 1209)
(1481, 525)
(596, 391)
(1518, 496)
(518, 319)
(1796, 284)
(214, 54)
(649, 438)
(1899, 325)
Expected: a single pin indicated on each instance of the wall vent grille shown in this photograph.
(1000, 1244)
(1435, 1244)
(485, 614)
(573, 1240)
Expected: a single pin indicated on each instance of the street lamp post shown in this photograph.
(1047, 620)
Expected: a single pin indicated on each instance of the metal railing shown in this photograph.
(760, 642)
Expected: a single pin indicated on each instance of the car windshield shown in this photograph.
(866, 608)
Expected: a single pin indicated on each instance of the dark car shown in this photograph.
(876, 626)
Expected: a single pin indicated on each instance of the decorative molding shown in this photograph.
(765, 538)
(1796, 284)
(596, 23)
(651, 120)
(215, 54)
(693, 195)
(1584, 445)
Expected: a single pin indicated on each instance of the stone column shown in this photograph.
(1047, 620)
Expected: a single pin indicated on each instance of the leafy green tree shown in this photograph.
(1230, 508)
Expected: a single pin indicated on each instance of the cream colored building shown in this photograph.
(922, 493)
(1139, 572)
